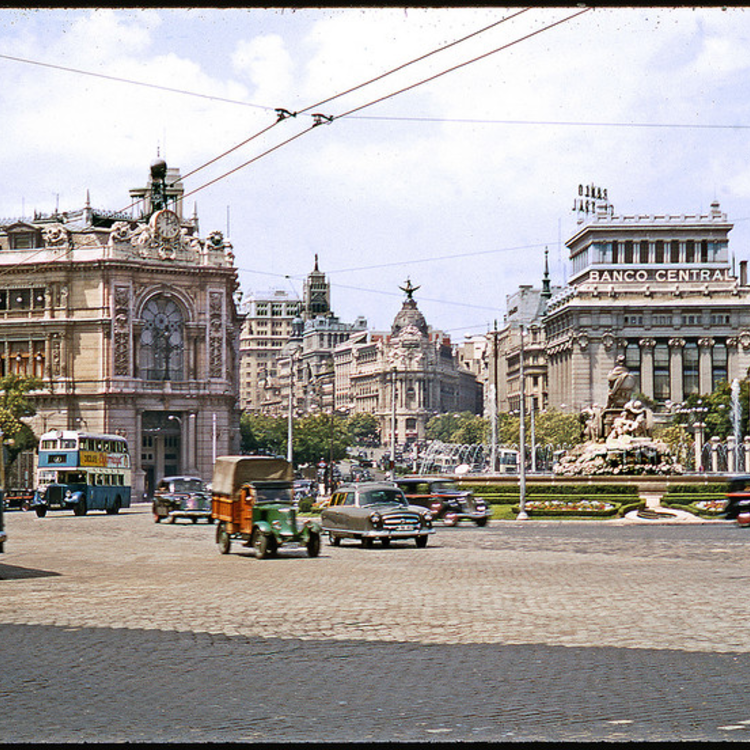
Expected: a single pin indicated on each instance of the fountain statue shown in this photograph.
(618, 438)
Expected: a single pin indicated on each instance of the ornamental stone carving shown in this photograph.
(122, 331)
(56, 235)
(647, 343)
(215, 337)
(744, 338)
(676, 343)
(706, 342)
(608, 340)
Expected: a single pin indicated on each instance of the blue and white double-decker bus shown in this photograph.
(82, 471)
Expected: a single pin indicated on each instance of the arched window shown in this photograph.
(162, 340)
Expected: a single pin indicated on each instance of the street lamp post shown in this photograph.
(522, 514)
(393, 425)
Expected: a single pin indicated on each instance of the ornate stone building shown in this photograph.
(130, 320)
(660, 290)
(406, 376)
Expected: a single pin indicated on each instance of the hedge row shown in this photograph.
(489, 491)
(567, 513)
(716, 488)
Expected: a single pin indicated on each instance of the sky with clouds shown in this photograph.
(455, 180)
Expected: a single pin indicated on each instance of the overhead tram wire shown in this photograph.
(415, 60)
(321, 119)
(284, 114)
(464, 64)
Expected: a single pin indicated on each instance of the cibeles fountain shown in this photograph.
(619, 436)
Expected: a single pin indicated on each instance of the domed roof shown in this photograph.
(158, 169)
(409, 316)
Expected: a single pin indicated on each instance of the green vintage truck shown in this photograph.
(252, 499)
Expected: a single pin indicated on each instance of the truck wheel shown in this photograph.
(223, 539)
(313, 545)
(261, 544)
(41, 510)
(80, 509)
(115, 509)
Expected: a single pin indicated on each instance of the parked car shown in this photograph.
(367, 511)
(182, 497)
(447, 502)
(253, 500)
(738, 500)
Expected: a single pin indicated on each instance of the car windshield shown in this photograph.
(439, 486)
(382, 497)
(274, 495)
(188, 485)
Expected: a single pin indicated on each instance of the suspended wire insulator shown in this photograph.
(321, 119)
(284, 113)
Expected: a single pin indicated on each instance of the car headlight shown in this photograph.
(376, 520)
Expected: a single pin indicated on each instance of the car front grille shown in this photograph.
(394, 520)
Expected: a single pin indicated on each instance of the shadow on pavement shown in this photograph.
(14, 572)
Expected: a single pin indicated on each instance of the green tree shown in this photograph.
(260, 433)
(551, 427)
(464, 428)
(14, 406)
(363, 428)
(315, 438)
(715, 410)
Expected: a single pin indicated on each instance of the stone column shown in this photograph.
(647, 366)
(747, 454)
(675, 368)
(704, 364)
(715, 454)
(733, 364)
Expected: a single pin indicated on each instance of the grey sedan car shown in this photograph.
(367, 511)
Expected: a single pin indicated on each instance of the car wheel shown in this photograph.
(157, 518)
(210, 519)
(385, 541)
(79, 509)
(334, 540)
(481, 521)
(41, 511)
(313, 545)
(194, 519)
(421, 541)
(223, 539)
(366, 541)
(171, 519)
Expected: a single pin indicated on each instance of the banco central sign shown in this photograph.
(659, 275)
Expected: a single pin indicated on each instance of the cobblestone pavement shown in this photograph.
(113, 628)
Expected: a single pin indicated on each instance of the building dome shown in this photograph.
(409, 317)
(158, 169)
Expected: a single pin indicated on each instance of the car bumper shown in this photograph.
(394, 533)
(189, 514)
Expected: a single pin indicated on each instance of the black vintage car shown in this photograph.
(369, 511)
(447, 502)
(182, 497)
(738, 500)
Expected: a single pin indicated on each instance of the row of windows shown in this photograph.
(29, 298)
(645, 252)
(277, 309)
(662, 363)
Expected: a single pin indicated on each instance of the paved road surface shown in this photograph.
(113, 628)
